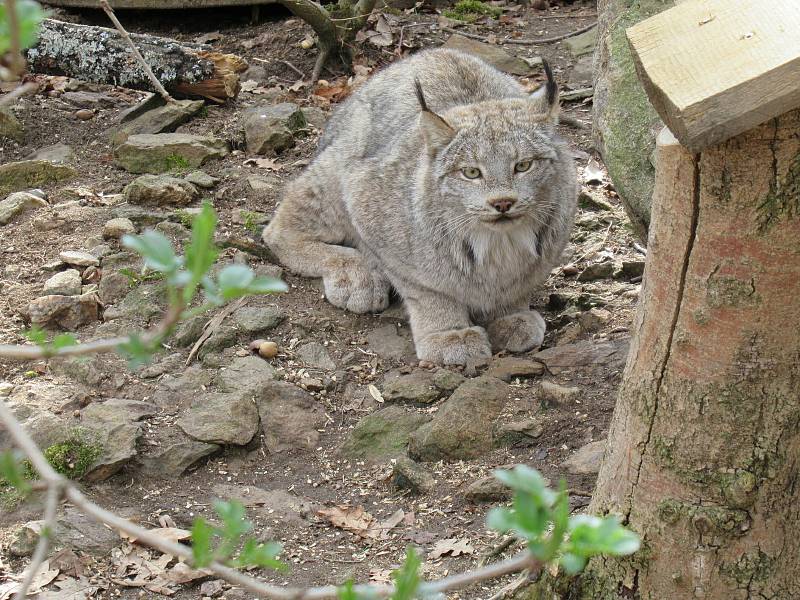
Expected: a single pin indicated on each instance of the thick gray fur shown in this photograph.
(386, 204)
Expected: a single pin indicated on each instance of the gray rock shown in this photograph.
(580, 76)
(64, 312)
(85, 99)
(161, 152)
(91, 371)
(224, 337)
(176, 231)
(417, 387)
(166, 364)
(316, 355)
(594, 319)
(26, 174)
(18, 203)
(270, 129)
(78, 258)
(487, 489)
(518, 433)
(494, 55)
(553, 394)
(162, 119)
(249, 374)
(315, 116)
(143, 301)
(114, 229)
(113, 287)
(583, 44)
(586, 354)
(73, 530)
(263, 184)
(10, 127)
(64, 283)
(625, 123)
(221, 418)
(144, 217)
(188, 331)
(386, 343)
(201, 179)
(410, 475)
(383, 434)
(6, 387)
(57, 153)
(290, 418)
(258, 319)
(595, 271)
(632, 268)
(174, 458)
(47, 429)
(462, 428)
(509, 367)
(160, 190)
(586, 460)
(447, 380)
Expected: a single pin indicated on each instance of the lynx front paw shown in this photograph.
(454, 347)
(356, 288)
(517, 332)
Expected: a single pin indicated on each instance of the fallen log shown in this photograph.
(101, 55)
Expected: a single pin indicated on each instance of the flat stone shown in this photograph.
(64, 312)
(597, 271)
(114, 229)
(189, 331)
(25, 174)
(580, 76)
(57, 153)
(221, 418)
(509, 367)
(270, 129)
(494, 55)
(161, 119)
(462, 428)
(146, 217)
(78, 258)
(586, 460)
(201, 179)
(417, 387)
(248, 374)
(73, 530)
(161, 152)
(16, 204)
(410, 475)
(552, 393)
(632, 268)
(316, 117)
(386, 343)
(594, 319)
(383, 434)
(10, 127)
(113, 287)
(610, 354)
(487, 489)
(143, 301)
(263, 184)
(583, 44)
(447, 380)
(65, 283)
(518, 433)
(258, 319)
(85, 99)
(175, 458)
(160, 190)
(224, 337)
(290, 418)
(316, 355)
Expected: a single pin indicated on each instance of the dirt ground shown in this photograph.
(317, 552)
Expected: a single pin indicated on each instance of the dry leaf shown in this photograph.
(380, 575)
(212, 36)
(384, 527)
(350, 518)
(263, 163)
(383, 35)
(70, 589)
(451, 546)
(183, 573)
(249, 85)
(334, 92)
(375, 393)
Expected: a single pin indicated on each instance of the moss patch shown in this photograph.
(471, 10)
(783, 200)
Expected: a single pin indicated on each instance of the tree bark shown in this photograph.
(703, 455)
(100, 55)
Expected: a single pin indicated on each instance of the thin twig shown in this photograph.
(524, 41)
(17, 62)
(139, 58)
(322, 58)
(497, 550)
(512, 587)
(212, 325)
(46, 534)
(571, 121)
(18, 91)
(295, 69)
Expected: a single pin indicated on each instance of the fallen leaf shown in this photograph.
(183, 573)
(451, 546)
(249, 85)
(350, 518)
(211, 36)
(263, 163)
(384, 527)
(383, 35)
(375, 393)
(70, 589)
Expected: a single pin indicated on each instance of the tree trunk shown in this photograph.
(704, 448)
(100, 55)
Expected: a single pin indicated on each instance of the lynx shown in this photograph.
(443, 179)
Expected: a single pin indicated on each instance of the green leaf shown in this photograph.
(233, 280)
(347, 591)
(136, 352)
(64, 340)
(29, 17)
(406, 578)
(36, 335)
(12, 471)
(201, 252)
(254, 554)
(156, 250)
(202, 552)
(266, 285)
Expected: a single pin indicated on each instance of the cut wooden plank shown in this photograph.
(100, 55)
(716, 68)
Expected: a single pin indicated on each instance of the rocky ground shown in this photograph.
(342, 445)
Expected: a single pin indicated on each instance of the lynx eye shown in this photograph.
(522, 166)
(471, 172)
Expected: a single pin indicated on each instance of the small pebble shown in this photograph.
(268, 350)
(84, 114)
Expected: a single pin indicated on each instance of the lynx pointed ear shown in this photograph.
(435, 129)
(546, 97)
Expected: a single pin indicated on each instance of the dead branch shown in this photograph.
(523, 41)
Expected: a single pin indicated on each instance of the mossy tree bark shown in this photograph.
(703, 457)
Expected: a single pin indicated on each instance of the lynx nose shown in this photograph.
(502, 205)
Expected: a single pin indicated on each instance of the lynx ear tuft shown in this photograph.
(436, 131)
(546, 97)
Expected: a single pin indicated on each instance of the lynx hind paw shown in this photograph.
(357, 289)
(454, 347)
(517, 332)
